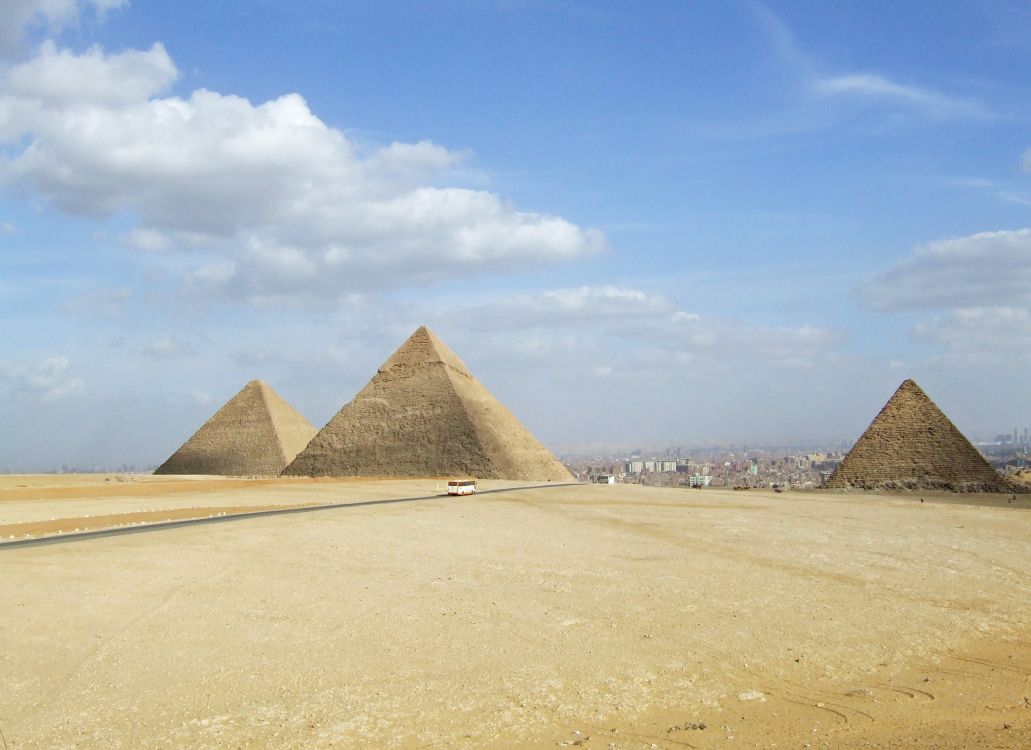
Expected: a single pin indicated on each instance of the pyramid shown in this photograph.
(911, 444)
(424, 415)
(255, 433)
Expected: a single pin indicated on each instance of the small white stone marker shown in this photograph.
(751, 695)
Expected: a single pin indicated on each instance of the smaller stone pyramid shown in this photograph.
(911, 444)
(256, 433)
(424, 415)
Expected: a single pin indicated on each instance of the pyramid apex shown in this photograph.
(910, 388)
(259, 388)
(421, 348)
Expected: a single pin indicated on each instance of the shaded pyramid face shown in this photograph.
(424, 415)
(911, 444)
(256, 433)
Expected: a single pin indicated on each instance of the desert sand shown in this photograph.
(588, 616)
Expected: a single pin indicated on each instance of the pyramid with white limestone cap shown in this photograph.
(424, 415)
(256, 433)
(911, 444)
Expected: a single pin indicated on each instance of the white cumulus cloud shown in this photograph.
(979, 270)
(979, 287)
(17, 15)
(981, 334)
(626, 331)
(47, 381)
(613, 306)
(59, 78)
(270, 203)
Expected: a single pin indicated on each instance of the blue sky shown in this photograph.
(685, 222)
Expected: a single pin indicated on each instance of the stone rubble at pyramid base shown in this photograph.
(931, 485)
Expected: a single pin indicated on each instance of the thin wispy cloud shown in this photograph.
(1020, 199)
(870, 87)
(1008, 192)
(782, 39)
(861, 86)
(104, 302)
(974, 183)
(169, 346)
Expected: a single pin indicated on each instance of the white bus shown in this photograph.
(461, 486)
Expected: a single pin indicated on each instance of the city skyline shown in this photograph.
(703, 223)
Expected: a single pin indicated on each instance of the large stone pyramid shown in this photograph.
(256, 433)
(911, 444)
(424, 415)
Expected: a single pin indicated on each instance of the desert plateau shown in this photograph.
(536, 616)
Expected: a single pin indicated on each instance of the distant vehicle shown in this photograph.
(461, 486)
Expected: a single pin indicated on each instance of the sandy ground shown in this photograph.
(37, 504)
(590, 616)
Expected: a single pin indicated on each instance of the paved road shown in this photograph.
(162, 526)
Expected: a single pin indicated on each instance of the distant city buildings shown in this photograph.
(746, 467)
(740, 468)
(1016, 438)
